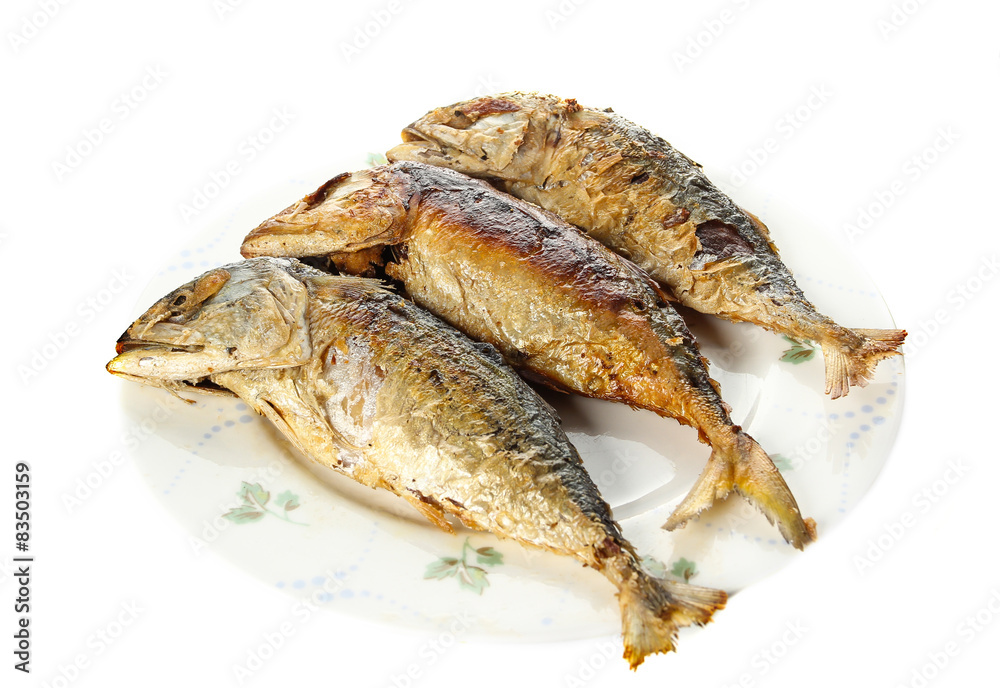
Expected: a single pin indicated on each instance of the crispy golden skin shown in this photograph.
(638, 195)
(559, 306)
(385, 393)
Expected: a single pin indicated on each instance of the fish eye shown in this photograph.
(180, 299)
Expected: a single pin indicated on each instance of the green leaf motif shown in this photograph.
(473, 578)
(255, 499)
(442, 568)
(684, 569)
(243, 514)
(488, 556)
(655, 567)
(470, 577)
(253, 494)
(799, 353)
(782, 463)
(287, 501)
(375, 159)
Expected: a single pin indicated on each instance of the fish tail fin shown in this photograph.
(856, 365)
(744, 467)
(878, 345)
(652, 610)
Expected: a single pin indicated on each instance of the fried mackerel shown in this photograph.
(638, 195)
(558, 305)
(366, 383)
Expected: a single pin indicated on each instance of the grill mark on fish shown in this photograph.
(721, 240)
(678, 217)
(489, 106)
(509, 226)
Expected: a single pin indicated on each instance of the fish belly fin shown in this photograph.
(652, 610)
(744, 467)
(431, 510)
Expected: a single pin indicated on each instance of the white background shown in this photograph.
(893, 87)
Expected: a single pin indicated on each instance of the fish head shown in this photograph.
(350, 213)
(240, 316)
(502, 136)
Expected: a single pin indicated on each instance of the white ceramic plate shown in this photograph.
(336, 544)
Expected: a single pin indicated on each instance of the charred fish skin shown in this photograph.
(560, 306)
(638, 195)
(392, 397)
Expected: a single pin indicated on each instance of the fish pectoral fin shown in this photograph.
(430, 508)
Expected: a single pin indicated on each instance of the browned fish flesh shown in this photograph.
(558, 305)
(641, 197)
(368, 384)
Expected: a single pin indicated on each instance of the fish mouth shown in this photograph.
(162, 362)
(415, 147)
(412, 135)
(124, 345)
(174, 386)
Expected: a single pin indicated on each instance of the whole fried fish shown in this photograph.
(636, 194)
(366, 383)
(558, 305)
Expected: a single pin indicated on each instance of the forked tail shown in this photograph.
(744, 467)
(855, 365)
(653, 609)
